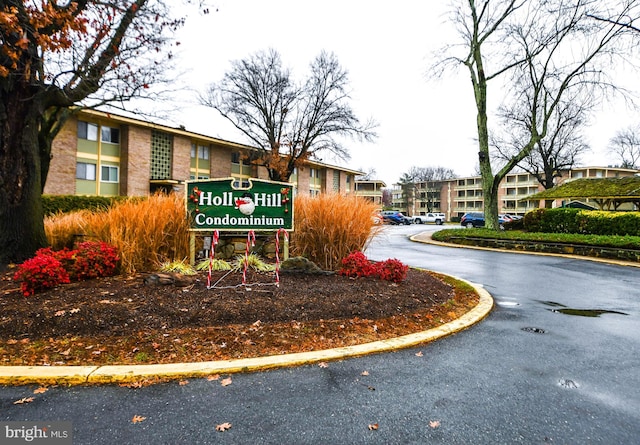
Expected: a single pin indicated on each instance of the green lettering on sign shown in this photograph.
(225, 204)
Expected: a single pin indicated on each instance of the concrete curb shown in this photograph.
(79, 375)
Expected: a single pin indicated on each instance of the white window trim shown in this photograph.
(110, 167)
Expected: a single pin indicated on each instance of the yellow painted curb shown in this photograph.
(20, 375)
(45, 375)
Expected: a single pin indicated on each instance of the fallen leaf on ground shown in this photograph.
(419, 354)
(184, 382)
(138, 419)
(24, 400)
(434, 423)
(213, 377)
(226, 382)
(373, 426)
(223, 426)
(323, 365)
(364, 373)
(40, 390)
(60, 313)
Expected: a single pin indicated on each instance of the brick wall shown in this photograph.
(181, 162)
(220, 159)
(61, 179)
(303, 180)
(135, 160)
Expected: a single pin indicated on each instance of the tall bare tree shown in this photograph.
(625, 145)
(559, 151)
(287, 122)
(547, 47)
(54, 55)
(430, 174)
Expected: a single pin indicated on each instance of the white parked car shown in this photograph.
(437, 218)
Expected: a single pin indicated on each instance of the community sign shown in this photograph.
(224, 204)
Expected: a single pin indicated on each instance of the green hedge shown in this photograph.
(54, 204)
(588, 222)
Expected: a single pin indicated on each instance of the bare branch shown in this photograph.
(285, 121)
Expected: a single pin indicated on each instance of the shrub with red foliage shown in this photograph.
(93, 260)
(392, 270)
(50, 268)
(356, 264)
(39, 273)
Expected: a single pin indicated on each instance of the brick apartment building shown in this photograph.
(371, 189)
(455, 197)
(98, 153)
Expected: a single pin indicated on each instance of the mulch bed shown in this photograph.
(139, 320)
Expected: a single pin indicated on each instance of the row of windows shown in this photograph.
(89, 132)
(87, 171)
(162, 147)
(199, 151)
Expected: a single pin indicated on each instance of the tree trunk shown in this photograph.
(21, 212)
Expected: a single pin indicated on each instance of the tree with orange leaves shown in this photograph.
(57, 56)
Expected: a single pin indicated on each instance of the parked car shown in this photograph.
(476, 219)
(506, 217)
(438, 218)
(395, 217)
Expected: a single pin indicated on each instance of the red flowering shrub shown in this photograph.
(392, 270)
(39, 273)
(50, 268)
(356, 264)
(93, 260)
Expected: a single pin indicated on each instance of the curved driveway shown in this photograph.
(528, 373)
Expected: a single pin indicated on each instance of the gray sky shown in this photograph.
(386, 48)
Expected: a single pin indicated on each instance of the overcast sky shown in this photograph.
(386, 47)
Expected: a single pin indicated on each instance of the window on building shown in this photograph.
(109, 173)
(200, 166)
(86, 171)
(87, 131)
(240, 168)
(111, 135)
(201, 151)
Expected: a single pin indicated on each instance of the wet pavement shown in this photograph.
(531, 373)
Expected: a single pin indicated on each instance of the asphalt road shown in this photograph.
(526, 374)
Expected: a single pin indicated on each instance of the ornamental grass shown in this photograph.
(146, 232)
(329, 227)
